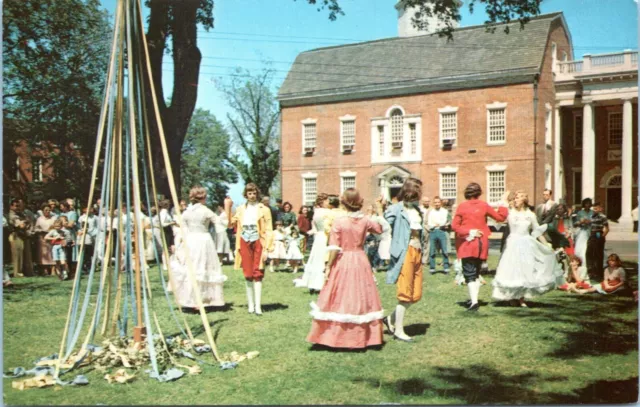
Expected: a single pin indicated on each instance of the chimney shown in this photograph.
(406, 28)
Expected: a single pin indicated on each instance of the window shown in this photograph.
(309, 136)
(397, 128)
(348, 133)
(615, 129)
(396, 136)
(495, 185)
(547, 127)
(577, 186)
(497, 123)
(547, 176)
(36, 169)
(577, 131)
(554, 56)
(381, 140)
(413, 137)
(309, 188)
(347, 180)
(448, 185)
(448, 125)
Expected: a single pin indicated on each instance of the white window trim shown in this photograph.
(497, 106)
(445, 110)
(547, 167)
(495, 168)
(347, 118)
(548, 123)
(305, 176)
(609, 129)
(346, 174)
(554, 56)
(405, 156)
(576, 114)
(302, 124)
(446, 170)
(392, 108)
(40, 175)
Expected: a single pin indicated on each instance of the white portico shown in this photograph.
(598, 96)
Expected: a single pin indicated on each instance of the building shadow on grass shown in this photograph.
(592, 325)
(480, 384)
(19, 292)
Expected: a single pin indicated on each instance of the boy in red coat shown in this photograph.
(472, 236)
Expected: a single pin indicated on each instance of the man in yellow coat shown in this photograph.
(254, 239)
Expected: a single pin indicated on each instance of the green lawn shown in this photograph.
(566, 348)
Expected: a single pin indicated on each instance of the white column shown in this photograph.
(557, 144)
(588, 152)
(625, 221)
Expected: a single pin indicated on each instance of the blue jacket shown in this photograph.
(398, 219)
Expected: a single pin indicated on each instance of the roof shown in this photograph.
(405, 65)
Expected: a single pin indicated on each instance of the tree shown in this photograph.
(204, 158)
(254, 126)
(177, 21)
(55, 55)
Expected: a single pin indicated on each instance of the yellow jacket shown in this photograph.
(265, 230)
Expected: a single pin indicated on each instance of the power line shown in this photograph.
(358, 40)
(391, 42)
(352, 85)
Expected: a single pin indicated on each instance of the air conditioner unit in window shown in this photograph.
(396, 145)
(309, 150)
(347, 148)
(447, 143)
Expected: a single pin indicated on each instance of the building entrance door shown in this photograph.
(613, 205)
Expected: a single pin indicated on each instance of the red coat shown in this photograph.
(472, 214)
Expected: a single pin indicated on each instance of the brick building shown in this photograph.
(479, 108)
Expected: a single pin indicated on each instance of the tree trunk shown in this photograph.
(186, 61)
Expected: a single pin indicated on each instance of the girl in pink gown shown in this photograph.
(349, 312)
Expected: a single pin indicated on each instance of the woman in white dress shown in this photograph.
(582, 226)
(223, 246)
(527, 267)
(384, 247)
(313, 277)
(201, 253)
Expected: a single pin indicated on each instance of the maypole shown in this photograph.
(123, 150)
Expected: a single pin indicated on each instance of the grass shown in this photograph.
(566, 348)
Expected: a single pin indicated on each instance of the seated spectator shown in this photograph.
(614, 277)
(576, 277)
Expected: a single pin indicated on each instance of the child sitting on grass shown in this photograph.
(58, 239)
(577, 277)
(614, 278)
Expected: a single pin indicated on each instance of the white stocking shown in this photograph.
(399, 319)
(474, 289)
(257, 289)
(250, 304)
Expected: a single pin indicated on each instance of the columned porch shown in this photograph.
(598, 97)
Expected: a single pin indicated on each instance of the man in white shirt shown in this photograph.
(438, 221)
